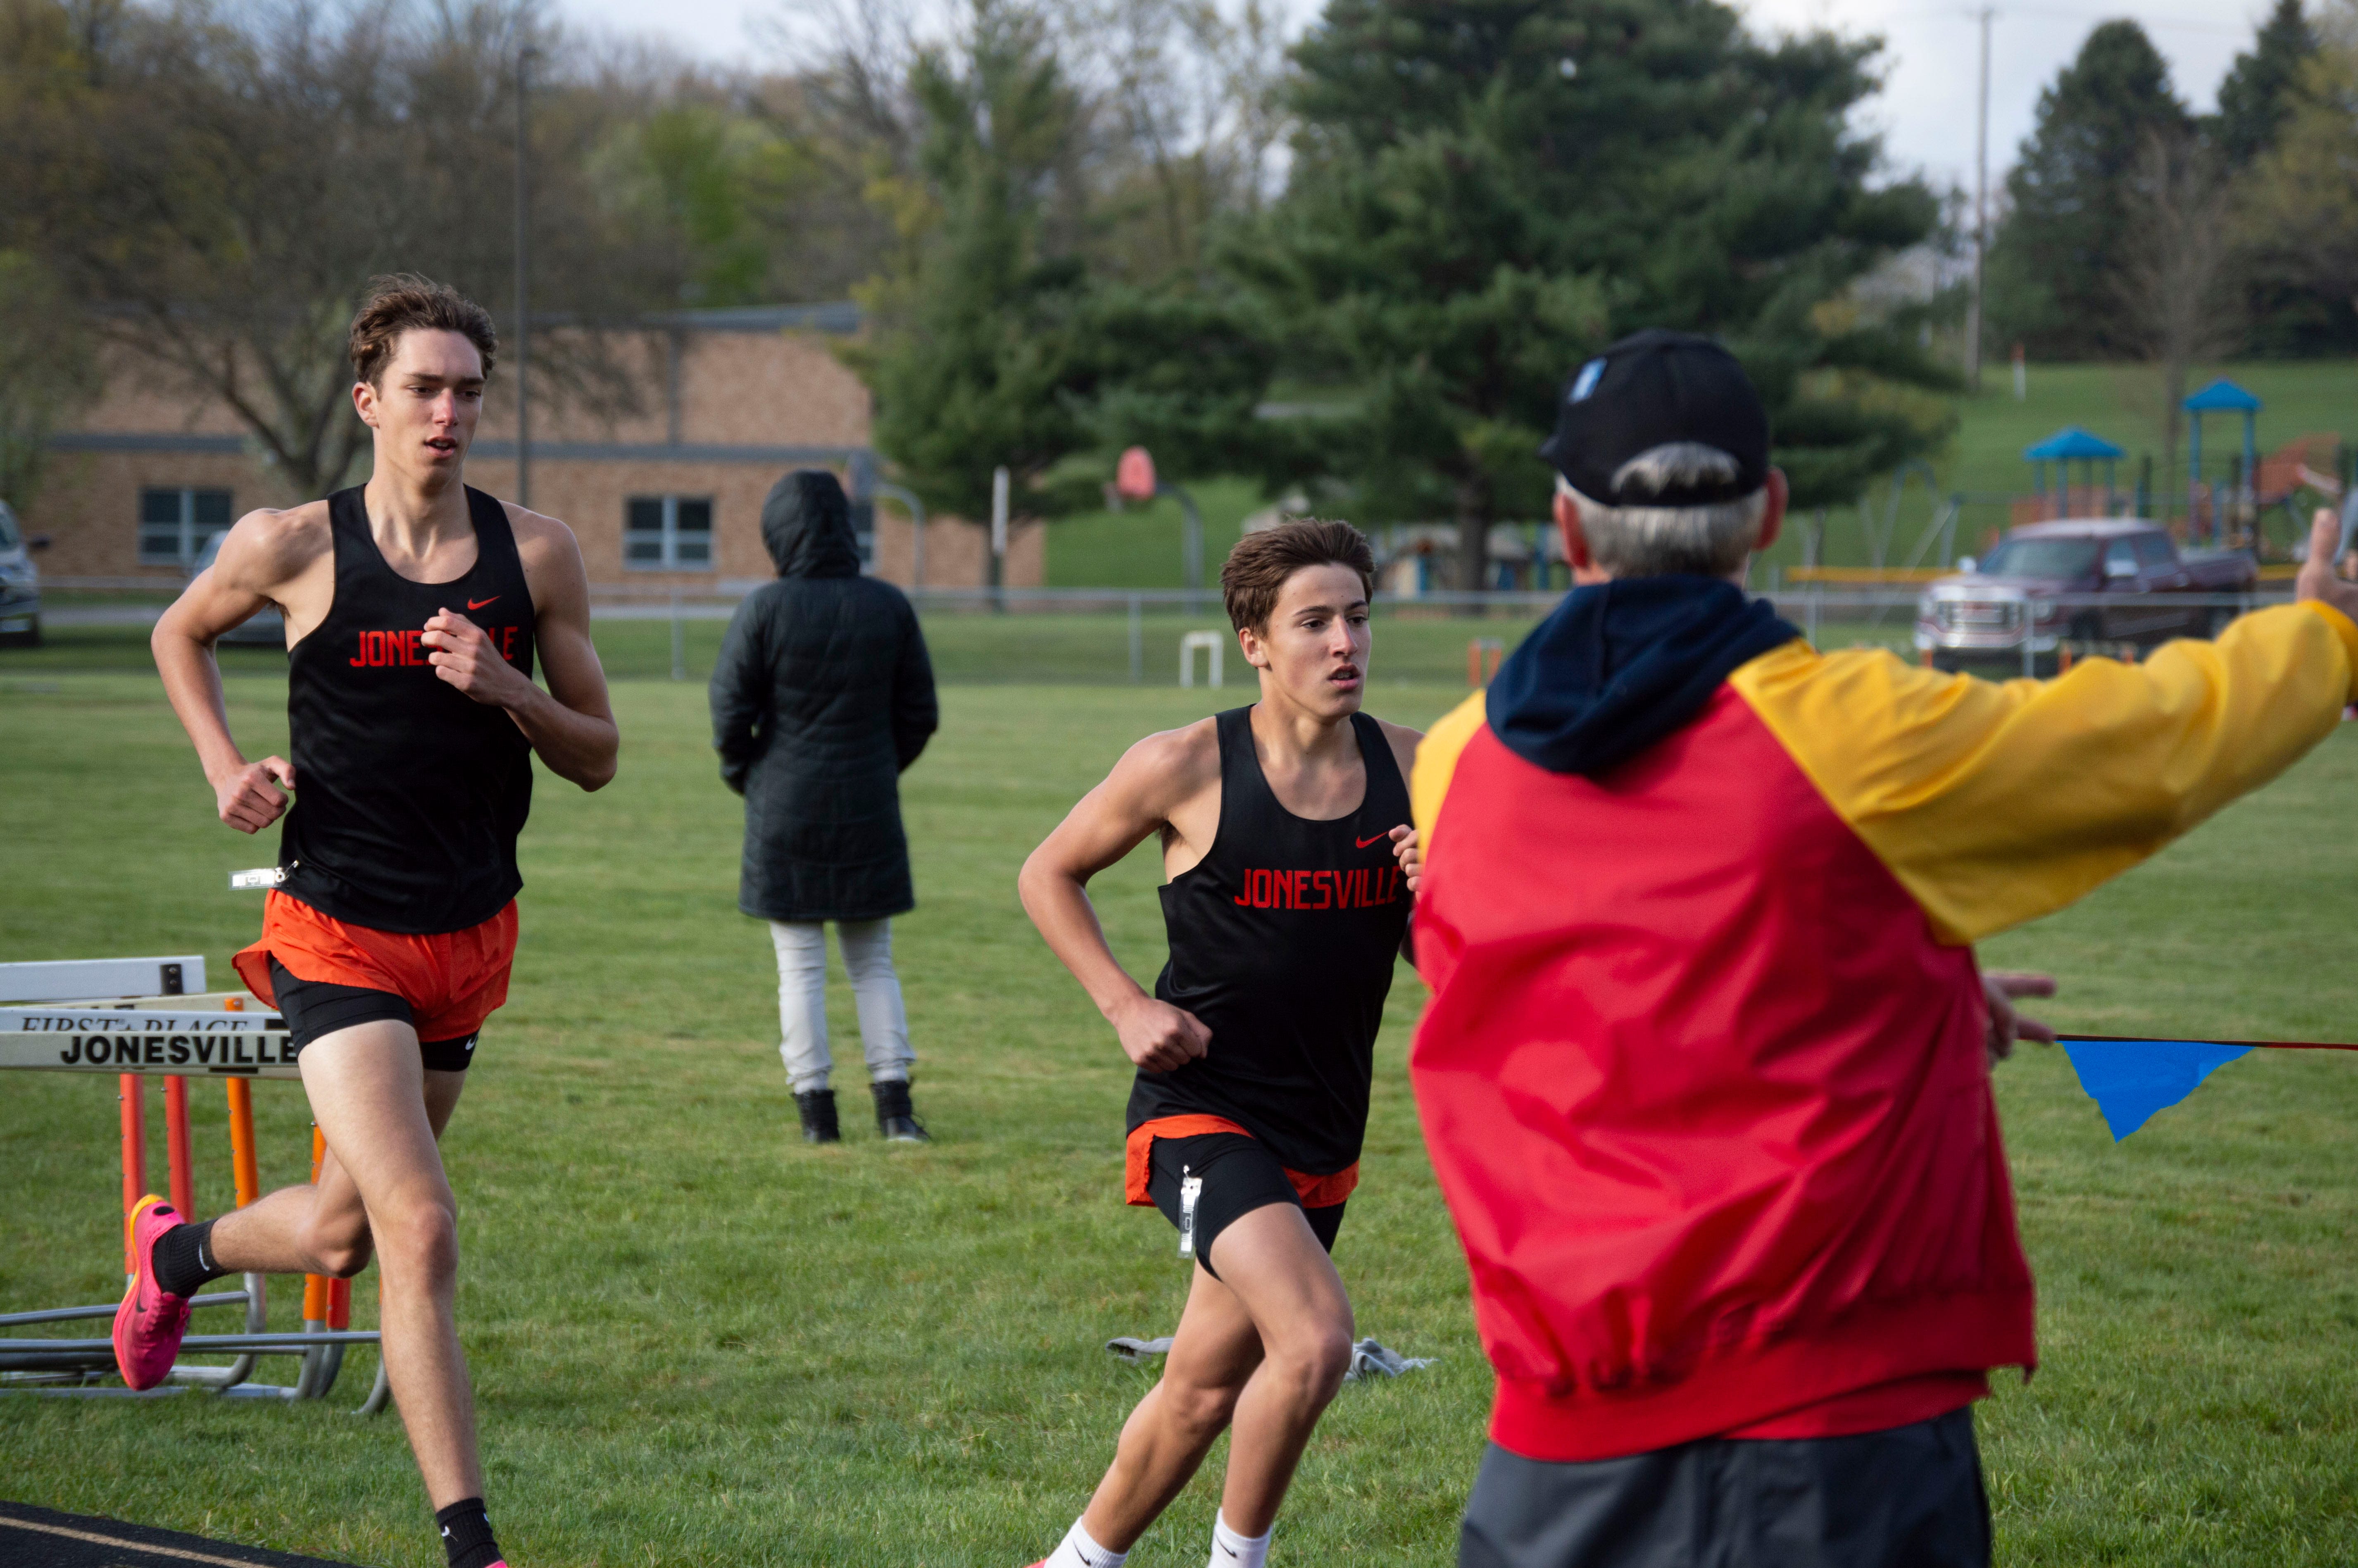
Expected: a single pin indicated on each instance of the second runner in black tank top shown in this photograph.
(1281, 941)
(408, 793)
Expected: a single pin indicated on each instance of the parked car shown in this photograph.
(20, 583)
(264, 629)
(2111, 579)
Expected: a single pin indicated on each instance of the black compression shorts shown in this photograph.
(314, 1007)
(1240, 1176)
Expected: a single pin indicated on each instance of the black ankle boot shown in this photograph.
(895, 1120)
(818, 1108)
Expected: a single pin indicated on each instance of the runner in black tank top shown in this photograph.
(418, 610)
(1281, 941)
(1285, 837)
(411, 793)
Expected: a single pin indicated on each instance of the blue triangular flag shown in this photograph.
(2131, 1080)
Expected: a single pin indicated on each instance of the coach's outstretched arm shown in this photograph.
(1995, 804)
(1135, 801)
(263, 553)
(571, 724)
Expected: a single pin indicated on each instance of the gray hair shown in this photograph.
(1655, 541)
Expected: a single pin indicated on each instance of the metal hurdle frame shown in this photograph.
(159, 1015)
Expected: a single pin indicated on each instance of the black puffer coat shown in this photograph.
(822, 696)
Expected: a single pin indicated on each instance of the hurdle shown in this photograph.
(1214, 645)
(111, 1014)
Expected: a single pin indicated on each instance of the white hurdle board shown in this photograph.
(74, 979)
(102, 1039)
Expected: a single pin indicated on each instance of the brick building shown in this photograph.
(667, 497)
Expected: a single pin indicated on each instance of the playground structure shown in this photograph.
(106, 1015)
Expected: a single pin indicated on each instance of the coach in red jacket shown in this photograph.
(1703, 1071)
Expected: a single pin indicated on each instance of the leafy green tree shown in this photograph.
(48, 371)
(2298, 207)
(2055, 261)
(721, 183)
(1486, 192)
(2258, 94)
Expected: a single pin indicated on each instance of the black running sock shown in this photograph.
(467, 1535)
(184, 1260)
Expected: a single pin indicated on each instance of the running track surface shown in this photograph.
(36, 1538)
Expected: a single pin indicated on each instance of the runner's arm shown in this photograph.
(259, 555)
(570, 724)
(1135, 801)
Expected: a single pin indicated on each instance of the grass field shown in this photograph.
(698, 1341)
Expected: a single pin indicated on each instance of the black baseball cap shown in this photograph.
(1647, 390)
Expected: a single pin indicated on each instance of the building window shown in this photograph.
(667, 533)
(175, 525)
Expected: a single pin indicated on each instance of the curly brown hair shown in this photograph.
(403, 302)
(1261, 563)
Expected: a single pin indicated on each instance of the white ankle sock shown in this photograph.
(1230, 1550)
(1077, 1550)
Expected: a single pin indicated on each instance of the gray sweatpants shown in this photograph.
(1906, 1497)
(802, 999)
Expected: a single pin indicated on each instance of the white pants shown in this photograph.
(802, 999)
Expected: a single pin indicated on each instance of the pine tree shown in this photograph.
(2259, 93)
(1485, 192)
(2054, 262)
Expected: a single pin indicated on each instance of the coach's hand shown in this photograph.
(1999, 988)
(465, 657)
(1410, 858)
(2318, 579)
(1159, 1036)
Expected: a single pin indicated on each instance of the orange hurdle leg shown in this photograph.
(176, 1148)
(131, 1089)
(242, 1171)
(315, 1286)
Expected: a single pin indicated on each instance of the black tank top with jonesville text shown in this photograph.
(1282, 939)
(408, 793)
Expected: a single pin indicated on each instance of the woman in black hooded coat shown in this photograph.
(823, 695)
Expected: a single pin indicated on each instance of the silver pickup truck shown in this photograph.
(2100, 580)
(20, 584)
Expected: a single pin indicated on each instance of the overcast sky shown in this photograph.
(1926, 110)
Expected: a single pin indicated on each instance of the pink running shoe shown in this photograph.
(150, 1323)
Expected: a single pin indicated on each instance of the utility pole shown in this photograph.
(1981, 213)
(998, 479)
(524, 258)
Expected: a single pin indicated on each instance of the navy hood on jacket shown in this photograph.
(807, 523)
(1620, 666)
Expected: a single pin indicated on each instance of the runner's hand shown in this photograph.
(2318, 579)
(1159, 1036)
(1410, 858)
(465, 657)
(1999, 988)
(246, 799)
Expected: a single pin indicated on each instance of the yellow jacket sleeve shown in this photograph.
(1436, 762)
(1997, 804)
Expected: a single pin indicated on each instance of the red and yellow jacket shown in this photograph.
(1702, 1073)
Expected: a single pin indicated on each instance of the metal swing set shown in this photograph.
(125, 1016)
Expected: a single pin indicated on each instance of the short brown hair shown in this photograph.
(1261, 563)
(406, 302)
